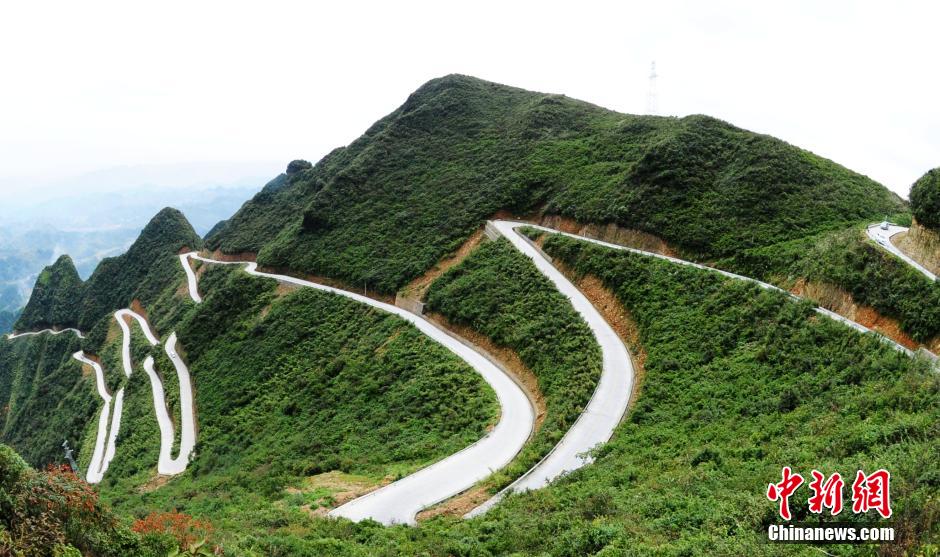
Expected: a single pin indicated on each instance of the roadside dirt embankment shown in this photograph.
(610, 233)
(922, 245)
(838, 300)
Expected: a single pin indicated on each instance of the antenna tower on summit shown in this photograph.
(651, 104)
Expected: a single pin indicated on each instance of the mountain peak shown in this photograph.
(52, 303)
(168, 228)
(298, 165)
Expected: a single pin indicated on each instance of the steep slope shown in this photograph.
(922, 244)
(922, 241)
(846, 263)
(739, 382)
(420, 180)
(305, 399)
(52, 303)
(44, 397)
(498, 292)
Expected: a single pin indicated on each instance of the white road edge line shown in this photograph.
(400, 501)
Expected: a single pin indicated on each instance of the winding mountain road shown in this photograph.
(166, 463)
(822, 311)
(613, 390)
(191, 281)
(400, 501)
(11, 336)
(603, 413)
(883, 238)
(104, 449)
(104, 444)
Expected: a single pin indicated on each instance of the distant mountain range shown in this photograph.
(92, 226)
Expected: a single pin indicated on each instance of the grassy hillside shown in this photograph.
(498, 292)
(292, 385)
(420, 180)
(739, 382)
(143, 271)
(44, 397)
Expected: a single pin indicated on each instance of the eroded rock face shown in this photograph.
(922, 245)
(298, 165)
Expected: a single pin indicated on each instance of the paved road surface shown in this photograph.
(822, 311)
(11, 336)
(600, 430)
(99, 457)
(166, 464)
(883, 239)
(609, 402)
(400, 502)
(190, 277)
(104, 449)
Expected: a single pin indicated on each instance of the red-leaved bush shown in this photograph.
(185, 529)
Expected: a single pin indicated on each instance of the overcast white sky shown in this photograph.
(91, 85)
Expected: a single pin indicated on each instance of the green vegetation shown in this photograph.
(925, 199)
(498, 292)
(847, 259)
(53, 301)
(305, 398)
(55, 513)
(417, 184)
(44, 398)
(143, 272)
(290, 386)
(739, 382)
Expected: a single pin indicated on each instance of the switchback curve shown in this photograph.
(400, 501)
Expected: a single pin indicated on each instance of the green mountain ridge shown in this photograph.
(419, 181)
(304, 397)
(52, 303)
(7, 319)
(61, 299)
